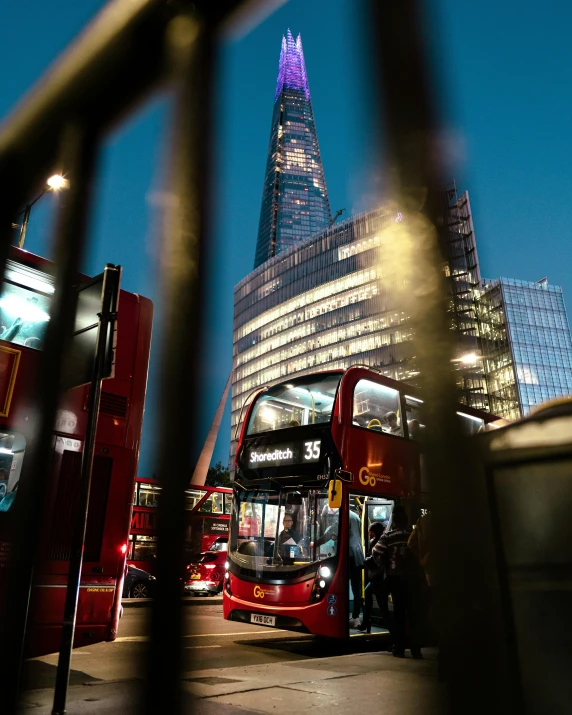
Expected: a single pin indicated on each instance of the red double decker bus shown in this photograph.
(24, 312)
(208, 520)
(356, 427)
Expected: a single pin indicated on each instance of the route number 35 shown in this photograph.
(312, 450)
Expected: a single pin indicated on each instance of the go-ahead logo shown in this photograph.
(366, 477)
(260, 592)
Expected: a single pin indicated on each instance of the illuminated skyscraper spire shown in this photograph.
(295, 201)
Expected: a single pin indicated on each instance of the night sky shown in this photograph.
(507, 108)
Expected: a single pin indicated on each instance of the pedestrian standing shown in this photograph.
(402, 568)
(376, 585)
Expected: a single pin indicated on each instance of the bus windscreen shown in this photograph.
(304, 401)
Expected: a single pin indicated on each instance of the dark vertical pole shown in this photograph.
(78, 150)
(24, 227)
(413, 141)
(110, 295)
(189, 47)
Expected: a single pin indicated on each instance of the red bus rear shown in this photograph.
(24, 312)
(296, 437)
(208, 519)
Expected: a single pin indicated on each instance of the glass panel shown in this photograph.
(149, 495)
(212, 504)
(144, 548)
(304, 401)
(228, 503)
(25, 306)
(281, 531)
(12, 450)
(193, 497)
(414, 424)
(376, 407)
(379, 511)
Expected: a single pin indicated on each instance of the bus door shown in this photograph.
(368, 510)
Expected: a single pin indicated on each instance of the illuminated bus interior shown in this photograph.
(303, 401)
(259, 539)
(25, 305)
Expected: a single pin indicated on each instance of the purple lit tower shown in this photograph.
(295, 201)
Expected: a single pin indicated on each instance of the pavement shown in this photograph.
(356, 683)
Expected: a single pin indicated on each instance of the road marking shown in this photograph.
(190, 647)
(143, 639)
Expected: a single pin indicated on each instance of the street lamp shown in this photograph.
(54, 183)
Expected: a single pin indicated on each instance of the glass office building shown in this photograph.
(324, 303)
(526, 344)
(295, 201)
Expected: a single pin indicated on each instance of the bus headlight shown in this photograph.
(226, 566)
(321, 583)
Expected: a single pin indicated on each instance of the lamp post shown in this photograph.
(54, 183)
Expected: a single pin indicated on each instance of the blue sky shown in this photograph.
(507, 98)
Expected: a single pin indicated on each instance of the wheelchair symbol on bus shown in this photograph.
(332, 598)
(332, 610)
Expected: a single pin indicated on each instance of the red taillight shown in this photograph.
(123, 549)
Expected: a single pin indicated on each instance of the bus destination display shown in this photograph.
(276, 455)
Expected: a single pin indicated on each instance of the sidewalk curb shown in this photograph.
(142, 602)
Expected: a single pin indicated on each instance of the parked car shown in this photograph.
(206, 575)
(138, 583)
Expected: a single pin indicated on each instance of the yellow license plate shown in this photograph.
(195, 576)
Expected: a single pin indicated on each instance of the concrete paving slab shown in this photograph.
(250, 678)
(277, 700)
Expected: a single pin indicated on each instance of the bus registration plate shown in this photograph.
(262, 620)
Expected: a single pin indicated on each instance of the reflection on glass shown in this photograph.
(144, 548)
(12, 449)
(304, 401)
(25, 306)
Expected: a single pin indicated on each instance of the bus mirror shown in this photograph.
(335, 494)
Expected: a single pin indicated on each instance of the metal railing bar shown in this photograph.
(190, 50)
(460, 554)
(78, 148)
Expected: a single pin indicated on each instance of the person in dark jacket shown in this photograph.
(402, 568)
(376, 581)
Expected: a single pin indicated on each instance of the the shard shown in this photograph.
(295, 201)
